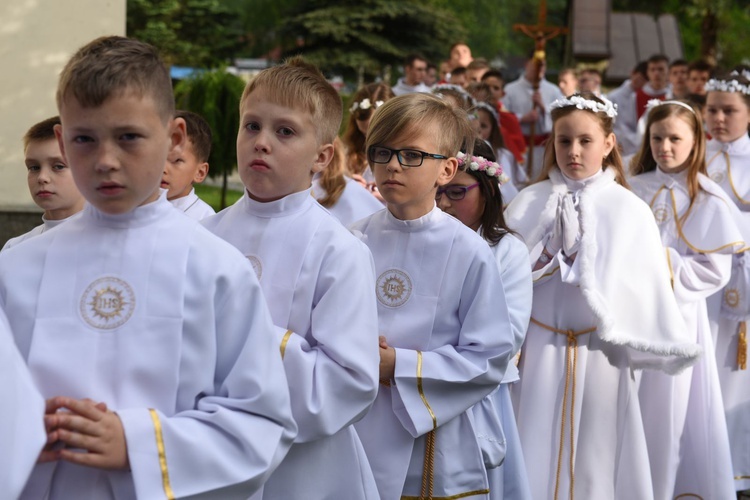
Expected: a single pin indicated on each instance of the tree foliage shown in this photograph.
(197, 33)
(368, 34)
(215, 95)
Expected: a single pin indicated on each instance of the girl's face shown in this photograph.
(469, 210)
(485, 125)
(672, 141)
(581, 144)
(727, 115)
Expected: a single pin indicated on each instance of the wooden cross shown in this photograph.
(540, 32)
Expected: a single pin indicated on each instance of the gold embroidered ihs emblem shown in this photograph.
(393, 288)
(661, 213)
(257, 265)
(107, 303)
(717, 177)
(732, 297)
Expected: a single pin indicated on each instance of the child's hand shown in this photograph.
(88, 426)
(387, 360)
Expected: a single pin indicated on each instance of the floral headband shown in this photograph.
(727, 85)
(455, 88)
(481, 164)
(607, 107)
(364, 104)
(652, 103)
(491, 110)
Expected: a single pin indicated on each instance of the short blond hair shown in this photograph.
(113, 65)
(297, 84)
(409, 113)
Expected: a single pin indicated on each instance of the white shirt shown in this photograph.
(193, 206)
(441, 305)
(22, 432)
(165, 323)
(518, 100)
(46, 225)
(402, 87)
(355, 202)
(319, 283)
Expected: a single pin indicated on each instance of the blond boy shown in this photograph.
(150, 334)
(189, 167)
(317, 277)
(50, 182)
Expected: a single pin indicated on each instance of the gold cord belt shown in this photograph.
(571, 358)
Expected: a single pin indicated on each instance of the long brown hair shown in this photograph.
(353, 139)
(333, 177)
(613, 159)
(644, 160)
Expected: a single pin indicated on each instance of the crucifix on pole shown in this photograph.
(540, 32)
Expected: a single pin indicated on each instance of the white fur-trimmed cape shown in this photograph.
(622, 278)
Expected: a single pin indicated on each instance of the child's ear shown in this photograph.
(610, 143)
(325, 154)
(201, 173)
(448, 169)
(59, 137)
(177, 136)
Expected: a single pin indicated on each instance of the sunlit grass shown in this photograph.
(212, 195)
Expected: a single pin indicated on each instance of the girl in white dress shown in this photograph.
(473, 198)
(728, 159)
(602, 309)
(689, 450)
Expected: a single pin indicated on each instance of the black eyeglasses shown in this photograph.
(406, 157)
(454, 193)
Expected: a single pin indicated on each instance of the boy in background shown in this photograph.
(317, 277)
(148, 332)
(183, 170)
(50, 182)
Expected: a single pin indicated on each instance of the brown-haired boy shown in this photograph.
(151, 333)
(190, 166)
(50, 182)
(317, 277)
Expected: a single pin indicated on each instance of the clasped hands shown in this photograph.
(84, 432)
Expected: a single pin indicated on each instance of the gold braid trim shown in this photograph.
(742, 346)
(571, 362)
(162, 454)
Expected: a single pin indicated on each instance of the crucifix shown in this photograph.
(540, 32)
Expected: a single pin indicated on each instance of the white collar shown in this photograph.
(421, 223)
(576, 185)
(740, 145)
(289, 204)
(139, 216)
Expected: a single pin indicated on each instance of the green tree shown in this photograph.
(198, 33)
(367, 35)
(215, 95)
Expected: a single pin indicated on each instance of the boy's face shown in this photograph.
(657, 74)
(496, 87)
(678, 76)
(410, 191)
(459, 80)
(50, 181)
(475, 75)
(697, 82)
(567, 83)
(278, 150)
(117, 151)
(181, 170)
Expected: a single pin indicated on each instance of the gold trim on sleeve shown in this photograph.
(669, 263)
(738, 244)
(162, 454)
(737, 478)
(688, 495)
(421, 390)
(284, 342)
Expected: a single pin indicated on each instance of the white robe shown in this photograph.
(617, 302)
(402, 87)
(625, 127)
(689, 450)
(729, 166)
(45, 226)
(441, 305)
(355, 202)
(166, 324)
(22, 433)
(193, 206)
(517, 100)
(509, 481)
(319, 283)
(511, 168)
